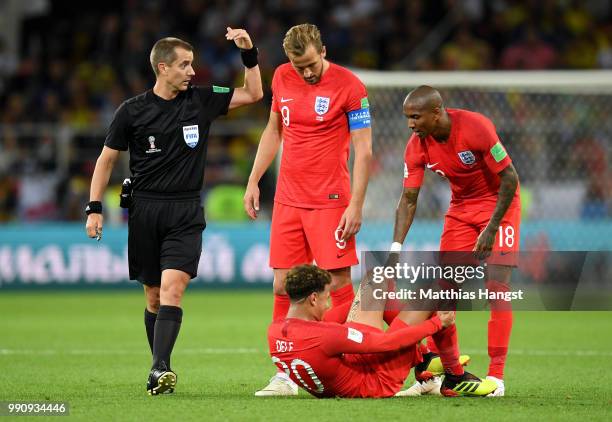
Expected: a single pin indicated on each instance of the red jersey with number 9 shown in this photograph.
(470, 159)
(315, 134)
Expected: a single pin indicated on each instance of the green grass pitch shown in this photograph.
(89, 349)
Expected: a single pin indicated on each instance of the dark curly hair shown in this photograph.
(304, 280)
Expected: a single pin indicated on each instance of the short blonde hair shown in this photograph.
(163, 51)
(299, 37)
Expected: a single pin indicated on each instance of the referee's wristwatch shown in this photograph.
(93, 207)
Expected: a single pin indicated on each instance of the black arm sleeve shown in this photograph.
(215, 99)
(117, 136)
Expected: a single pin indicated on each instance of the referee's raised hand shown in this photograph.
(94, 226)
(240, 37)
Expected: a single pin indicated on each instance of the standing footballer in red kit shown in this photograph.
(318, 109)
(356, 359)
(484, 214)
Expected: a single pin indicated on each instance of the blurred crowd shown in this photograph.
(75, 65)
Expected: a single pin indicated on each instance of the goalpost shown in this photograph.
(556, 125)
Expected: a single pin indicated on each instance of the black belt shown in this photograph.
(169, 196)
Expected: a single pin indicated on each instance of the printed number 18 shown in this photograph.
(506, 235)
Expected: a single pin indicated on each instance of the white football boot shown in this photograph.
(420, 388)
(280, 385)
(500, 390)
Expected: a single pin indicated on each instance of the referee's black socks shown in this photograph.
(149, 320)
(167, 327)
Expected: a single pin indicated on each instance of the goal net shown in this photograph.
(556, 126)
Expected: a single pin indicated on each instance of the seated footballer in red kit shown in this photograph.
(356, 359)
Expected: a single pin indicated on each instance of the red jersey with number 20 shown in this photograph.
(315, 133)
(470, 159)
(328, 359)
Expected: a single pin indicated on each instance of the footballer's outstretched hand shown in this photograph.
(447, 318)
(251, 200)
(240, 37)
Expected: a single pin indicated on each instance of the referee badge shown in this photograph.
(191, 135)
(153, 149)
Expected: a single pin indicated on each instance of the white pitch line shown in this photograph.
(206, 351)
(536, 352)
(246, 350)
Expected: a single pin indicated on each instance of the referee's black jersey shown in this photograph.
(168, 140)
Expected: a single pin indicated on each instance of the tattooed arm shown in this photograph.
(507, 188)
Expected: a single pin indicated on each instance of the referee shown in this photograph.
(166, 130)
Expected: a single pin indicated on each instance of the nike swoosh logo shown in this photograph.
(431, 165)
(504, 253)
(286, 100)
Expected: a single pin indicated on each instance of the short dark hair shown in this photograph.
(163, 51)
(303, 280)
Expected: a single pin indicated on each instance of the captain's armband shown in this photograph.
(359, 119)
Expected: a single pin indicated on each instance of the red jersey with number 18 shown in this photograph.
(315, 133)
(470, 159)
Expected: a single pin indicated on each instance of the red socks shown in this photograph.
(423, 348)
(280, 308)
(448, 349)
(432, 345)
(342, 295)
(500, 327)
(342, 299)
(338, 313)
(390, 314)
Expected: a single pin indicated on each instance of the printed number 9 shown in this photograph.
(341, 244)
(285, 114)
(506, 236)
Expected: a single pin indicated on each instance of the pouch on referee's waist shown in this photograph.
(125, 198)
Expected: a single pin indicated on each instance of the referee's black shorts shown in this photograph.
(165, 232)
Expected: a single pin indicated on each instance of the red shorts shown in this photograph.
(299, 235)
(383, 374)
(461, 230)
